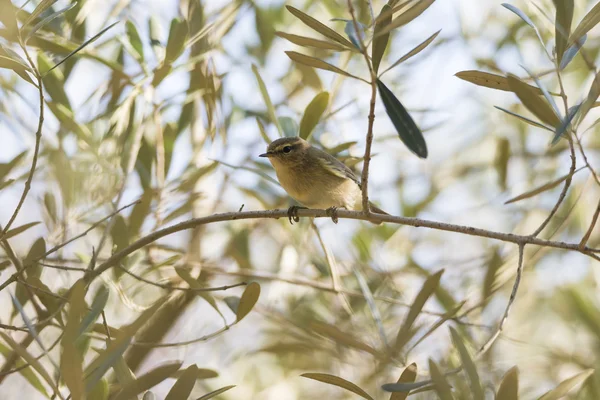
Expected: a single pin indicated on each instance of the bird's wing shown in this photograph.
(336, 167)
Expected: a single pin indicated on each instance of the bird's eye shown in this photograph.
(287, 149)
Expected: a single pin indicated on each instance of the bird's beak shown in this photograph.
(267, 154)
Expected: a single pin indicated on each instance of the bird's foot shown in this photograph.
(293, 214)
(332, 212)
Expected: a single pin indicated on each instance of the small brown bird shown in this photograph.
(315, 178)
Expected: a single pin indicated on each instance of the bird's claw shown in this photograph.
(332, 212)
(293, 214)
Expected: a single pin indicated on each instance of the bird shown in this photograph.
(315, 178)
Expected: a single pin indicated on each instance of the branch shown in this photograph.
(342, 214)
(36, 151)
(364, 179)
(513, 296)
(563, 193)
(587, 235)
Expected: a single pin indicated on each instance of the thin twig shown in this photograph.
(187, 342)
(513, 295)
(38, 139)
(371, 119)
(587, 235)
(183, 289)
(563, 193)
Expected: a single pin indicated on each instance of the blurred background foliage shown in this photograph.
(170, 107)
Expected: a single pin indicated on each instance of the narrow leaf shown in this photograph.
(263, 131)
(317, 63)
(540, 189)
(417, 9)
(312, 114)
(524, 119)
(148, 380)
(320, 27)
(486, 79)
(441, 385)
(310, 42)
(71, 359)
(591, 19)
(43, 6)
(339, 382)
(248, 300)
(341, 337)
(545, 92)
(509, 386)
(407, 129)
(267, 99)
(184, 385)
(428, 288)
(214, 393)
(526, 19)
(32, 361)
(562, 24)
(178, 34)
(567, 385)
(414, 51)
(408, 376)
(84, 44)
(572, 52)
(19, 229)
(380, 41)
(135, 39)
(47, 20)
(564, 126)
(533, 102)
(469, 366)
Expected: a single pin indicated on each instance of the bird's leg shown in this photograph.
(293, 213)
(332, 212)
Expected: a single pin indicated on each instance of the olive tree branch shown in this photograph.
(342, 214)
(369, 140)
(38, 139)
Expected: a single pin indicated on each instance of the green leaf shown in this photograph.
(321, 28)
(531, 100)
(27, 373)
(148, 380)
(428, 288)
(32, 361)
(135, 40)
(18, 230)
(263, 131)
(566, 123)
(562, 24)
(178, 34)
(380, 41)
(96, 309)
(248, 300)
(469, 366)
(408, 131)
(310, 42)
(525, 19)
(339, 382)
(509, 386)
(155, 35)
(567, 385)
(84, 44)
(6, 168)
(289, 126)
(100, 391)
(591, 19)
(525, 119)
(115, 349)
(71, 359)
(184, 385)
(317, 63)
(441, 385)
(543, 188)
(54, 81)
(414, 51)
(340, 337)
(214, 393)
(48, 19)
(43, 6)
(488, 80)
(313, 113)
(267, 99)
(417, 9)
(408, 376)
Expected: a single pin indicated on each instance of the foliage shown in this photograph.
(134, 137)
